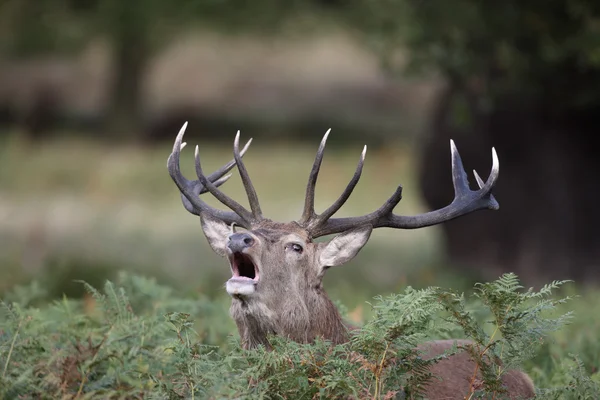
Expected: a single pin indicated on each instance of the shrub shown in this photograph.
(138, 339)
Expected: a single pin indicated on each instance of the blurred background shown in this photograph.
(93, 92)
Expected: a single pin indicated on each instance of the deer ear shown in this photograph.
(216, 232)
(344, 247)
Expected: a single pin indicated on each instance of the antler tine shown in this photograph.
(198, 189)
(222, 197)
(190, 190)
(219, 181)
(460, 180)
(491, 182)
(345, 194)
(465, 201)
(248, 186)
(309, 200)
(227, 167)
(493, 178)
(216, 178)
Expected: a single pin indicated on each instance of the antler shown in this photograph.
(310, 220)
(465, 200)
(190, 190)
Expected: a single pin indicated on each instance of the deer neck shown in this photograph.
(299, 318)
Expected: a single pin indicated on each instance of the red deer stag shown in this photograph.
(277, 268)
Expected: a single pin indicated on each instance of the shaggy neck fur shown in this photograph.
(302, 320)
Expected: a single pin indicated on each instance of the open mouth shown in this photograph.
(245, 275)
(242, 266)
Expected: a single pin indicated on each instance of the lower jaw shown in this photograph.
(240, 287)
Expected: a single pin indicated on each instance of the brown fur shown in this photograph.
(289, 300)
(453, 376)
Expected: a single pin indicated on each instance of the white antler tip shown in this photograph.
(453, 146)
(495, 161)
(181, 132)
(246, 146)
(324, 140)
(236, 142)
(480, 182)
(364, 152)
(222, 180)
(182, 145)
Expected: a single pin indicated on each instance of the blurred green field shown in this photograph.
(83, 210)
(74, 209)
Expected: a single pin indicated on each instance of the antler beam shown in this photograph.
(465, 201)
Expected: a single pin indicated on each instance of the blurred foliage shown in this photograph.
(138, 339)
(542, 49)
(135, 29)
(547, 51)
(31, 27)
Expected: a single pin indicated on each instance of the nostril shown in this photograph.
(240, 241)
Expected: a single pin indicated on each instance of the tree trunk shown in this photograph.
(547, 190)
(131, 53)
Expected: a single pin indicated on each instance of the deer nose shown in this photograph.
(239, 241)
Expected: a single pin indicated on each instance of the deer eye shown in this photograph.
(296, 247)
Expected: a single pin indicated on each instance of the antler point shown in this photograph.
(495, 161)
(480, 182)
(179, 137)
(246, 147)
(453, 146)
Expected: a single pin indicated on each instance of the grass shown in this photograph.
(75, 209)
(83, 210)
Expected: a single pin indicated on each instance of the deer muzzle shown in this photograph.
(243, 266)
(240, 241)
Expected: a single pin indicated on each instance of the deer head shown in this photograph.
(277, 268)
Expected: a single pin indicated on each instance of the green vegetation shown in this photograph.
(138, 339)
(82, 211)
(538, 50)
